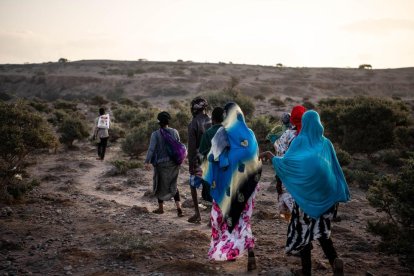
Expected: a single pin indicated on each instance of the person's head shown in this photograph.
(285, 118)
(296, 116)
(101, 111)
(163, 118)
(312, 126)
(217, 115)
(228, 107)
(232, 113)
(198, 105)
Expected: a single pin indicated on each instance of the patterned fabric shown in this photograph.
(303, 229)
(310, 169)
(233, 171)
(282, 144)
(285, 200)
(225, 245)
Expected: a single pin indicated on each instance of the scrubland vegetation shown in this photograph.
(373, 136)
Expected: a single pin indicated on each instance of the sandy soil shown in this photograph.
(81, 221)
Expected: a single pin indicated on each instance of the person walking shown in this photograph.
(165, 170)
(198, 125)
(101, 132)
(281, 145)
(205, 145)
(233, 172)
(311, 173)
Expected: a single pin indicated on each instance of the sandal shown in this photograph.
(194, 219)
(158, 211)
(179, 213)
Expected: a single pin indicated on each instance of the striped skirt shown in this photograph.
(303, 229)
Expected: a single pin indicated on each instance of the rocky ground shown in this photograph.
(83, 219)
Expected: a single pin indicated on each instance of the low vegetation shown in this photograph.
(24, 133)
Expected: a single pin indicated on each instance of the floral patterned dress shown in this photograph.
(285, 200)
(226, 246)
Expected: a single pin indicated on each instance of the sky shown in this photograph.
(297, 33)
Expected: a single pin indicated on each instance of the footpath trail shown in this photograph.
(85, 220)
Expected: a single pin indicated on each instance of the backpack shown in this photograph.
(103, 121)
(176, 150)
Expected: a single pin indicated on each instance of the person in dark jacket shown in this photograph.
(198, 125)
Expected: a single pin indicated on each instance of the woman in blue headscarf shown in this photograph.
(233, 171)
(311, 173)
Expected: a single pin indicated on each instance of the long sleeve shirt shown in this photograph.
(196, 128)
(157, 149)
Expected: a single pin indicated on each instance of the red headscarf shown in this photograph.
(296, 116)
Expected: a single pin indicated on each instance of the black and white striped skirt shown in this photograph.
(303, 229)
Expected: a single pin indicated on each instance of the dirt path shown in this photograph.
(80, 221)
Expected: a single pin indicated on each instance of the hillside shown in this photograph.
(81, 216)
(158, 82)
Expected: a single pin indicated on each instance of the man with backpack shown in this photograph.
(102, 123)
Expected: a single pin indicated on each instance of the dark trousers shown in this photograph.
(176, 197)
(305, 254)
(205, 192)
(102, 147)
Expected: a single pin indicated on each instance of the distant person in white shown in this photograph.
(102, 123)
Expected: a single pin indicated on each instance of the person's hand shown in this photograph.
(267, 155)
(148, 166)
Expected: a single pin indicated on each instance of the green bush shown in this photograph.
(40, 106)
(127, 102)
(24, 132)
(246, 103)
(20, 187)
(71, 129)
(404, 137)
(136, 142)
(364, 179)
(180, 122)
(175, 104)
(276, 101)
(145, 104)
(124, 114)
(260, 97)
(394, 196)
(116, 94)
(65, 105)
(123, 166)
(141, 118)
(344, 157)
(115, 133)
(308, 105)
(391, 157)
(261, 126)
(98, 100)
(362, 124)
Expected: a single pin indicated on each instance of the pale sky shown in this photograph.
(308, 33)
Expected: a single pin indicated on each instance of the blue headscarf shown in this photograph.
(232, 169)
(310, 169)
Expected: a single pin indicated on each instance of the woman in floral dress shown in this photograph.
(233, 171)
